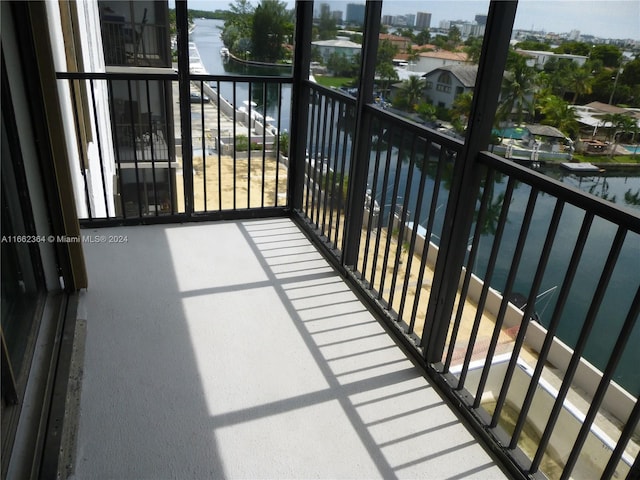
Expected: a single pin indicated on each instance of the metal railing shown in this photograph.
(531, 237)
(373, 190)
(134, 164)
(138, 44)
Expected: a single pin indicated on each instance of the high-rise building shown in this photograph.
(481, 19)
(411, 19)
(355, 13)
(337, 16)
(387, 20)
(423, 20)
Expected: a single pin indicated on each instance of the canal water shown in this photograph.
(206, 36)
(619, 186)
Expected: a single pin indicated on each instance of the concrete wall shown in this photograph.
(598, 446)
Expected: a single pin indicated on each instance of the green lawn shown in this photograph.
(606, 158)
(333, 81)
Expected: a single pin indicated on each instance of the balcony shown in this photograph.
(235, 350)
(375, 252)
(135, 36)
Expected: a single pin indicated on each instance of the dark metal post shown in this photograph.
(360, 158)
(185, 106)
(462, 197)
(300, 103)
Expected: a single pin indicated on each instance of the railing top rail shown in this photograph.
(408, 125)
(169, 75)
(242, 78)
(571, 195)
(417, 129)
(334, 94)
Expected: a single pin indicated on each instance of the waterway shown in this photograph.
(206, 36)
(619, 186)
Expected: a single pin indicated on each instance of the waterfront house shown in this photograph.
(341, 46)
(444, 84)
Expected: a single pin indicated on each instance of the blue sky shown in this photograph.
(602, 18)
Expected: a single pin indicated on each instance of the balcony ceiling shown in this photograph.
(233, 350)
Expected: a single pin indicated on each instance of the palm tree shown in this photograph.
(410, 93)
(581, 83)
(460, 110)
(558, 113)
(517, 89)
(620, 124)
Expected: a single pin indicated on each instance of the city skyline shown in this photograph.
(614, 19)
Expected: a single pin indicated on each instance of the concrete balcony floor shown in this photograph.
(234, 350)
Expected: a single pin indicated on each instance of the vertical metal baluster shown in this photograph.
(235, 159)
(314, 155)
(219, 148)
(607, 375)
(548, 341)
(319, 161)
(627, 432)
(372, 200)
(170, 151)
(341, 170)
(249, 121)
(433, 208)
(579, 347)
(278, 130)
(330, 172)
(497, 239)
(99, 140)
(383, 199)
(414, 233)
(313, 134)
(114, 129)
(204, 147)
(153, 153)
(264, 138)
(482, 216)
(506, 294)
(390, 223)
(403, 221)
(334, 167)
(135, 148)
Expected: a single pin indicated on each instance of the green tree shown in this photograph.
(460, 111)
(341, 66)
(558, 113)
(619, 125)
(533, 45)
(580, 82)
(609, 55)
(272, 23)
(426, 111)
(574, 48)
(237, 26)
(327, 28)
(422, 37)
(473, 48)
(384, 64)
(454, 37)
(518, 86)
(410, 93)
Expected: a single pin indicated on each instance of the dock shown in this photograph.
(581, 167)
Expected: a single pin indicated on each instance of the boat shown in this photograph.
(224, 52)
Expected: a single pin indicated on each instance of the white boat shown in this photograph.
(224, 51)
